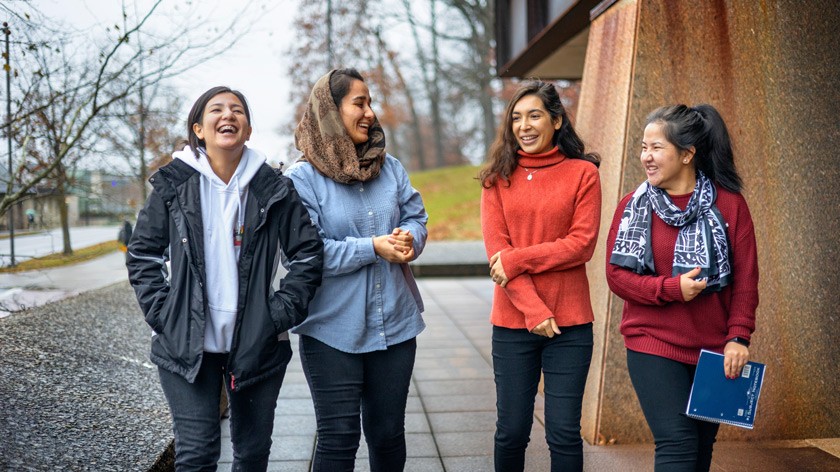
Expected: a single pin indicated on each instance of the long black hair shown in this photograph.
(701, 126)
(197, 114)
(502, 158)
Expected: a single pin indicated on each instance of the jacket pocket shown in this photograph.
(155, 316)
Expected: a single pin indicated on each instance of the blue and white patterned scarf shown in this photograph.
(702, 240)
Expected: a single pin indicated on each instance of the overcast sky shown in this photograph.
(256, 65)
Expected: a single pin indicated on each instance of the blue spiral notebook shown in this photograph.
(720, 400)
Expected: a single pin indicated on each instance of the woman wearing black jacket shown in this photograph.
(226, 217)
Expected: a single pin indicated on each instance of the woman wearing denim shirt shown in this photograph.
(358, 344)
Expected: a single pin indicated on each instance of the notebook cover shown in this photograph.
(718, 399)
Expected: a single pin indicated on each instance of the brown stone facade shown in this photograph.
(772, 68)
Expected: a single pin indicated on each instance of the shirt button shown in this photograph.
(370, 213)
(382, 334)
(361, 189)
(377, 285)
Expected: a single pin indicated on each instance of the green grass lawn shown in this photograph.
(452, 196)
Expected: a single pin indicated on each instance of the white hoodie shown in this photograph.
(223, 213)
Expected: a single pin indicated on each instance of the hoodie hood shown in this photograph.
(223, 216)
(245, 171)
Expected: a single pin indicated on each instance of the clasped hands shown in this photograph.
(396, 247)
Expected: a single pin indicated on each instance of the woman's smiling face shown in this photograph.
(666, 166)
(356, 113)
(532, 125)
(224, 124)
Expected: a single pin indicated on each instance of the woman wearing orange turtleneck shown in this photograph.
(540, 212)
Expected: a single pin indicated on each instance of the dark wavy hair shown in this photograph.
(701, 126)
(502, 158)
(197, 114)
(340, 82)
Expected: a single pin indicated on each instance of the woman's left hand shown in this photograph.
(497, 272)
(547, 328)
(735, 357)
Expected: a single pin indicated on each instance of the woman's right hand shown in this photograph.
(547, 328)
(689, 287)
(391, 252)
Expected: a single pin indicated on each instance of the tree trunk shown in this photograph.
(62, 211)
(434, 98)
(489, 115)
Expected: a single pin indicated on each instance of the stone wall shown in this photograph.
(771, 69)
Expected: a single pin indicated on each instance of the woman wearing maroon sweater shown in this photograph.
(683, 258)
(540, 212)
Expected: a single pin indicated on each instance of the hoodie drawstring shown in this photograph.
(239, 231)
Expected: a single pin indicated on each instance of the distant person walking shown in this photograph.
(124, 235)
(30, 218)
(227, 218)
(358, 343)
(682, 255)
(540, 212)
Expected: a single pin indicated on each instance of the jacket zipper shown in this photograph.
(260, 222)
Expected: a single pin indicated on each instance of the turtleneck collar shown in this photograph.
(545, 159)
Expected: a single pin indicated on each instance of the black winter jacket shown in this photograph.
(275, 222)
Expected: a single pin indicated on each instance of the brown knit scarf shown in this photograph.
(325, 144)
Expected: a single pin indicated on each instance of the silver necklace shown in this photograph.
(530, 173)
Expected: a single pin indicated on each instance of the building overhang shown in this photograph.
(557, 51)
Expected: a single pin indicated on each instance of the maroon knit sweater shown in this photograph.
(656, 320)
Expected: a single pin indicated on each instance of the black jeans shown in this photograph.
(518, 358)
(663, 387)
(345, 387)
(196, 417)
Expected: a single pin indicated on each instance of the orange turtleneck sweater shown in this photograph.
(546, 227)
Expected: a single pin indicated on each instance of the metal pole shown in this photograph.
(8, 67)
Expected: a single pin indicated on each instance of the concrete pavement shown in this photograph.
(22, 290)
(451, 408)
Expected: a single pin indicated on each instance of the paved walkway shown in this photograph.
(451, 407)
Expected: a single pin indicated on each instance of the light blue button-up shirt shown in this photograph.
(365, 303)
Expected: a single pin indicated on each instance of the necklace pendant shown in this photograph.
(530, 176)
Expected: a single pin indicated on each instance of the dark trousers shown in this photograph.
(345, 387)
(518, 358)
(197, 424)
(663, 387)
